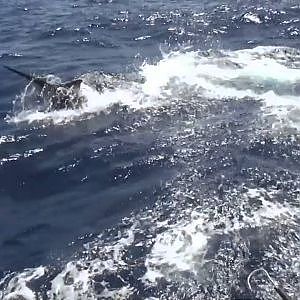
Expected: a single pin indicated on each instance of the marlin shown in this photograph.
(56, 95)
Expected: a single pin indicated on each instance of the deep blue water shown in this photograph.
(173, 187)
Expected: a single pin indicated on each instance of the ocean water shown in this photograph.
(174, 184)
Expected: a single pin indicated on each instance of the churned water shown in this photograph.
(175, 182)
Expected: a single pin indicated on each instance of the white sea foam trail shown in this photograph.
(267, 74)
(205, 69)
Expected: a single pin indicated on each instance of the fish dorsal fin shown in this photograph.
(75, 84)
(41, 82)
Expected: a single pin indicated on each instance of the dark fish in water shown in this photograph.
(57, 96)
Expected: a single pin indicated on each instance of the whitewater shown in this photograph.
(176, 182)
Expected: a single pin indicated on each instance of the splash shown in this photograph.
(267, 74)
(184, 246)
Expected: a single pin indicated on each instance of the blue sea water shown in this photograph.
(174, 184)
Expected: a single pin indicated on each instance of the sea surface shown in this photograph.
(174, 183)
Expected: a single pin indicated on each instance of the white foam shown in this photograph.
(96, 102)
(180, 248)
(250, 17)
(269, 210)
(81, 277)
(212, 76)
(17, 287)
(99, 102)
(183, 246)
(79, 286)
(173, 69)
(59, 116)
(121, 293)
(12, 139)
(16, 156)
(7, 139)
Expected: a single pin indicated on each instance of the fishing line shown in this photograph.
(276, 286)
